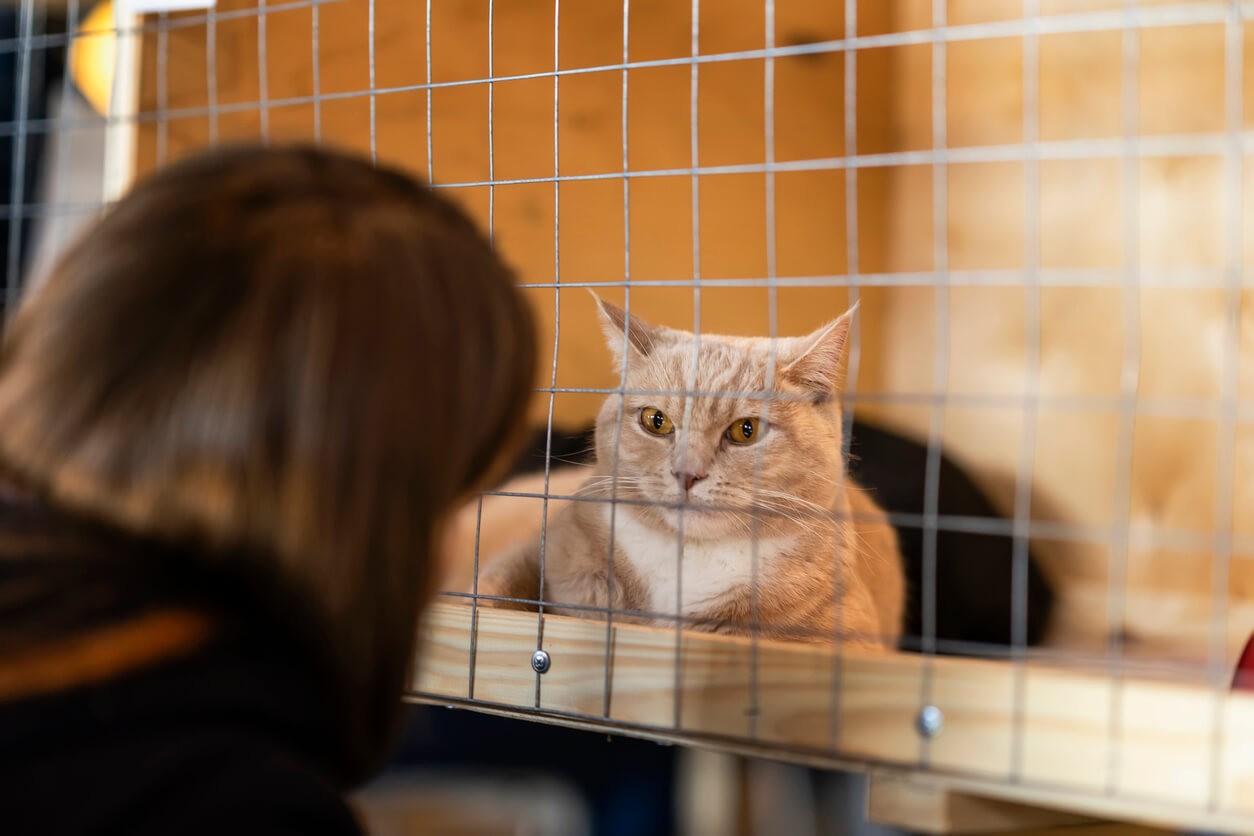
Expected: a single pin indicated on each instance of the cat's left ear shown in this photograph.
(816, 363)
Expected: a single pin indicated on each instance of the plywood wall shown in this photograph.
(577, 232)
(1091, 472)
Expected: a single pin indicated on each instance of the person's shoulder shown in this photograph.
(251, 787)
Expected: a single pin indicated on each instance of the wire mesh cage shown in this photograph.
(1037, 209)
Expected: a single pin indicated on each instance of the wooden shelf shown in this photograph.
(1081, 742)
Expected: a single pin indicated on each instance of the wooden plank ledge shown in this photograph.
(1134, 750)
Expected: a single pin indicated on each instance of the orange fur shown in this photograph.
(774, 536)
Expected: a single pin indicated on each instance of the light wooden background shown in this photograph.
(1165, 479)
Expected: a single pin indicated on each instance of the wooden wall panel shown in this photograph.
(590, 234)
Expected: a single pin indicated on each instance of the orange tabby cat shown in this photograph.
(733, 511)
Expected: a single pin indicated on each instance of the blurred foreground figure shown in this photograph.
(231, 422)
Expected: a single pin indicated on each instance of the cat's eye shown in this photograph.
(744, 431)
(655, 421)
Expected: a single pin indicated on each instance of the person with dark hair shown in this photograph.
(232, 421)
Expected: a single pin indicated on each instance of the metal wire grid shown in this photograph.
(1130, 148)
(22, 84)
(557, 331)
(1130, 21)
(1234, 212)
(609, 550)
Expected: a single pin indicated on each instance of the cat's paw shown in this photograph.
(604, 591)
(496, 593)
(509, 583)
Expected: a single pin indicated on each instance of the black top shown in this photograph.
(223, 741)
(236, 735)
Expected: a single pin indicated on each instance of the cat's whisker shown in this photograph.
(766, 513)
(600, 484)
(769, 514)
(793, 499)
(780, 504)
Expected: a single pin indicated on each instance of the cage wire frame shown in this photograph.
(462, 663)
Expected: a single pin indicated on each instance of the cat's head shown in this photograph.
(728, 427)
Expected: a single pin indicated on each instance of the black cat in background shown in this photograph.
(974, 572)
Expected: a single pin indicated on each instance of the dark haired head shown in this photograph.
(290, 362)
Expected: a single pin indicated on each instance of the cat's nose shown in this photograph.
(689, 479)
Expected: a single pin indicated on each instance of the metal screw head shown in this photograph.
(930, 721)
(540, 661)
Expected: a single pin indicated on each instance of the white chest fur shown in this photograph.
(707, 571)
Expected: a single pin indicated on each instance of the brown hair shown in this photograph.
(286, 360)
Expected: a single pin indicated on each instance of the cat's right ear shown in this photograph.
(641, 337)
(817, 365)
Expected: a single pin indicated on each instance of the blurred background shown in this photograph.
(1039, 206)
